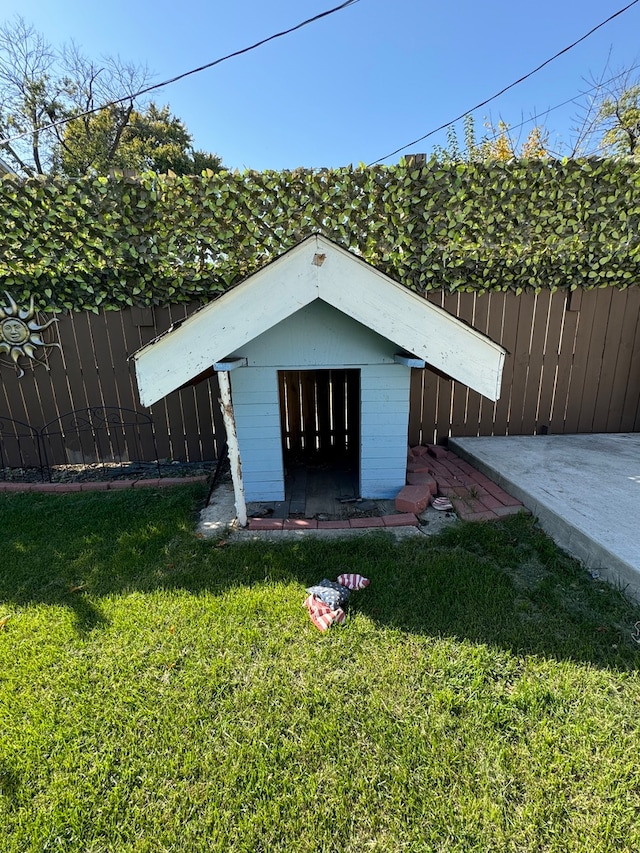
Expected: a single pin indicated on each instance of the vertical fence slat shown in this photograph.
(525, 422)
(626, 380)
(579, 377)
(461, 392)
(446, 387)
(509, 341)
(495, 311)
(595, 355)
(550, 359)
(206, 421)
(417, 415)
(630, 420)
(480, 321)
(521, 362)
(610, 350)
(129, 337)
(563, 375)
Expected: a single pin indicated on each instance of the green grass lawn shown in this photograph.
(159, 692)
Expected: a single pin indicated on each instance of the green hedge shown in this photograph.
(158, 240)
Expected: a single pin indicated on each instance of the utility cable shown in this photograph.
(175, 79)
(506, 88)
(573, 100)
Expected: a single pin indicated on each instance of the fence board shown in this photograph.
(578, 381)
(524, 422)
(460, 392)
(565, 363)
(595, 355)
(550, 361)
(417, 414)
(480, 321)
(626, 381)
(610, 350)
(630, 416)
(128, 338)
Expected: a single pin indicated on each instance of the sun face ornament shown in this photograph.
(20, 333)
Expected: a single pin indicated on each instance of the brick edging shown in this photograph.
(406, 519)
(101, 485)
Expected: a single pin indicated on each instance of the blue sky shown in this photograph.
(356, 85)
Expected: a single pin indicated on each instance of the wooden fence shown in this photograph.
(573, 366)
(92, 369)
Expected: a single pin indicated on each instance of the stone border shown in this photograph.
(397, 520)
(101, 485)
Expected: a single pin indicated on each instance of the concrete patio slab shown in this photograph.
(584, 490)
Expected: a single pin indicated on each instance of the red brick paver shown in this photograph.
(475, 496)
(360, 523)
(300, 524)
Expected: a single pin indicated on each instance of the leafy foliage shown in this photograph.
(620, 119)
(53, 118)
(461, 226)
(149, 140)
(496, 144)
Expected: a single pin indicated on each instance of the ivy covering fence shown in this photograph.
(160, 240)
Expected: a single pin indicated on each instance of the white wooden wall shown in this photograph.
(257, 411)
(384, 419)
(319, 337)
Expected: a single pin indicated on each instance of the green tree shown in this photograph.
(609, 121)
(52, 120)
(619, 122)
(151, 139)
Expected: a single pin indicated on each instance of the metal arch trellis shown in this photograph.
(95, 436)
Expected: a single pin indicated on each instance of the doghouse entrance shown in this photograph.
(320, 416)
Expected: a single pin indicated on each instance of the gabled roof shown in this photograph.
(317, 268)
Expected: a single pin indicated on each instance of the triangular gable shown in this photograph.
(317, 268)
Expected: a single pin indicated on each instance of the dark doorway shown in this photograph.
(320, 415)
(320, 428)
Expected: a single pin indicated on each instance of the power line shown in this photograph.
(175, 79)
(506, 88)
(573, 100)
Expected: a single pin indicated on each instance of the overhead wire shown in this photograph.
(572, 100)
(506, 88)
(147, 89)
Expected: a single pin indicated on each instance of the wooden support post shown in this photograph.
(226, 407)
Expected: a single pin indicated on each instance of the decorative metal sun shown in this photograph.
(20, 333)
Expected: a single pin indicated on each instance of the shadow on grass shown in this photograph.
(504, 584)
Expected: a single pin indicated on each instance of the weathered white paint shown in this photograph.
(226, 405)
(218, 329)
(318, 336)
(230, 364)
(408, 360)
(294, 281)
(412, 322)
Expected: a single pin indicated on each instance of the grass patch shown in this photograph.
(163, 693)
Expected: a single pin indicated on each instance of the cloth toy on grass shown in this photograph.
(325, 599)
(322, 615)
(353, 581)
(333, 594)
